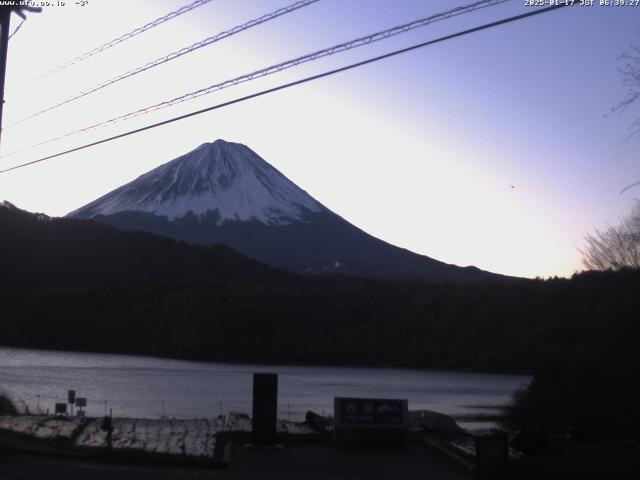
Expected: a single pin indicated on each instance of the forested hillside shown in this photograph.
(77, 285)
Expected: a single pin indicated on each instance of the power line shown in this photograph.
(120, 39)
(358, 42)
(298, 82)
(176, 54)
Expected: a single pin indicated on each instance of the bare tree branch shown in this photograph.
(614, 248)
(630, 71)
(634, 184)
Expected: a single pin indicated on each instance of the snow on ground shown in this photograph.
(296, 428)
(464, 445)
(468, 446)
(40, 426)
(171, 436)
(236, 422)
(193, 437)
(241, 422)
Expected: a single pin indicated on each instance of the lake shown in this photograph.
(148, 387)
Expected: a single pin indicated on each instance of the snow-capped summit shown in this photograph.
(223, 192)
(228, 179)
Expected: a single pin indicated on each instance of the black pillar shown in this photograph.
(265, 408)
(492, 456)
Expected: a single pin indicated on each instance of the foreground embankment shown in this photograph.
(195, 439)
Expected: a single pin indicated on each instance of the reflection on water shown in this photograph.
(143, 386)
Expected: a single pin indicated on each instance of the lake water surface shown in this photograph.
(136, 386)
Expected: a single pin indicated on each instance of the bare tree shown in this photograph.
(615, 247)
(630, 71)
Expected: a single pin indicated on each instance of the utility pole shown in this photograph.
(5, 23)
(5, 19)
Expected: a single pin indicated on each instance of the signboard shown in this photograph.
(81, 402)
(370, 422)
(61, 408)
(370, 411)
(71, 396)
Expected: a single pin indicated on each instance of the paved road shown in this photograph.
(299, 462)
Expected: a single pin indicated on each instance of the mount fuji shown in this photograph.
(223, 192)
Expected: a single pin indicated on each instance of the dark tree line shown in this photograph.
(83, 286)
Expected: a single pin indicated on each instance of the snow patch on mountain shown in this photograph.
(223, 177)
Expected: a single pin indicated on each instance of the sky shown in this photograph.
(494, 149)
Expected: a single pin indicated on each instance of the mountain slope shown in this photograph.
(223, 192)
(40, 250)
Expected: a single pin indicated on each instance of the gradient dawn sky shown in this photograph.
(493, 149)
